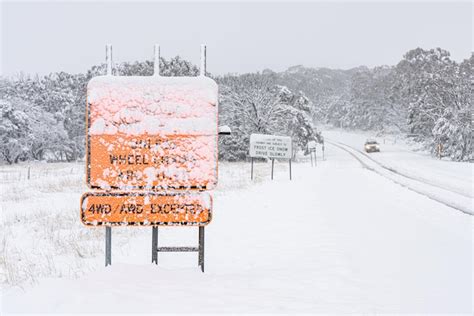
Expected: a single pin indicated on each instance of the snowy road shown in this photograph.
(399, 156)
(338, 238)
(452, 198)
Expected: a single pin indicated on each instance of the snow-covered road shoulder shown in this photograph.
(338, 238)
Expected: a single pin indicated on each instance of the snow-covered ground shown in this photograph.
(337, 238)
(396, 153)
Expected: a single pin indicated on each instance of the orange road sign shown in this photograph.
(146, 209)
(151, 133)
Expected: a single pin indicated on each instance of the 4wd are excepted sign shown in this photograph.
(270, 146)
(151, 133)
(146, 208)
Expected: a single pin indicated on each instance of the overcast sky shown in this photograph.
(241, 37)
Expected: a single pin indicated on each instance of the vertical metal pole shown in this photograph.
(273, 163)
(156, 61)
(251, 169)
(108, 58)
(108, 245)
(289, 160)
(202, 69)
(311, 155)
(28, 172)
(154, 245)
(201, 248)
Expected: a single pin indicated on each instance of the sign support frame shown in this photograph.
(155, 249)
(154, 244)
(315, 158)
(289, 161)
(312, 153)
(251, 169)
(108, 246)
(273, 164)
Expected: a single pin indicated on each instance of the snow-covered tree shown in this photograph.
(254, 103)
(297, 116)
(29, 132)
(426, 94)
(13, 132)
(426, 76)
(373, 104)
(437, 91)
(453, 129)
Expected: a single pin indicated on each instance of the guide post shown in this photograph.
(251, 169)
(312, 152)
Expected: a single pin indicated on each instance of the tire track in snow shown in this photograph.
(403, 174)
(452, 201)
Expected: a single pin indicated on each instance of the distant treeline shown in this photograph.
(426, 95)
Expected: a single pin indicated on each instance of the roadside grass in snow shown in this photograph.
(41, 233)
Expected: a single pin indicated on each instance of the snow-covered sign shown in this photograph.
(146, 208)
(270, 146)
(312, 145)
(152, 132)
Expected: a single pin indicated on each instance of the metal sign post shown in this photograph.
(311, 147)
(201, 248)
(289, 161)
(108, 245)
(154, 244)
(108, 229)
(251, 169)
(315, 157)
(273, 164)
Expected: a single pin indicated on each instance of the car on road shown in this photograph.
(371, 146)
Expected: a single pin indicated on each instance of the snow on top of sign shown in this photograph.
(152, 105)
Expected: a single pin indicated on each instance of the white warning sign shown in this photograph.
(270, 146)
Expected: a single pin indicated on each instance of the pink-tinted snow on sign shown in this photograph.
(152, 132)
